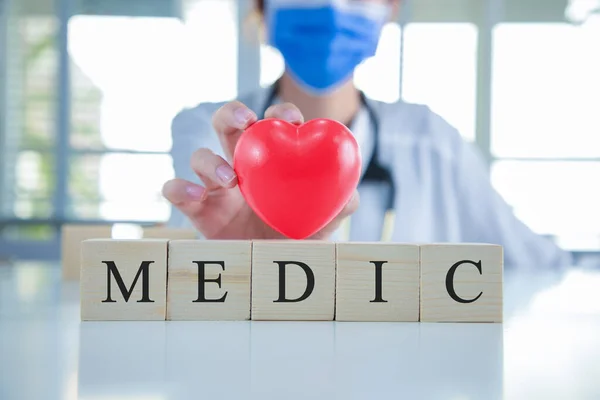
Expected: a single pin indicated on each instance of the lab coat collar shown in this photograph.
(258, 98)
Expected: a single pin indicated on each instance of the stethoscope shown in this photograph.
(375, 171)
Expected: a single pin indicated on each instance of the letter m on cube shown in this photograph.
(123, 279)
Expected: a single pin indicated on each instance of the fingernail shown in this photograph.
(195, 192)
(242, 115)
(225, 173)
(292, 115)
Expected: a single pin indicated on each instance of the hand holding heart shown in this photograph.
(281, 180)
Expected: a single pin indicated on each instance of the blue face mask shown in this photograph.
(323, 41)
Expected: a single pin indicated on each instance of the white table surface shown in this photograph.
(547, 348)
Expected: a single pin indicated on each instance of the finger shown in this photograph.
(190, 199)
(349, 209)
(229, 121)
(182, 193)
(285, 111)
(213, 170)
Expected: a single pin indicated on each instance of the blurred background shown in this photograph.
(88, 89)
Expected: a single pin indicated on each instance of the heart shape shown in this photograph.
(297, 178)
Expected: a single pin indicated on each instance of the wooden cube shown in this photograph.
(461, 282)
(161, 232)
(123, 279)
(293, 280)
(209, 280)
(377, 282)
(71, 238)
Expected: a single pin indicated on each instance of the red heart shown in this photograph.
(297, 178)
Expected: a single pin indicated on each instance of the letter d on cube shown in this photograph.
(293, 280)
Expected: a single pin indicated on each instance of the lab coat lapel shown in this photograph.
(363, 133)
(366, 224)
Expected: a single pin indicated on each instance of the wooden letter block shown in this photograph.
(461, 283)
(209, 280)
(293, 280)
(71, 238)
(377, 282)
(123, 279)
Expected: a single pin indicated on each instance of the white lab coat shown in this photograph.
(443, 190)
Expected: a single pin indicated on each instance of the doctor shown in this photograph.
(414, 162)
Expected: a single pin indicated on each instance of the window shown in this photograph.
(552, 197)
(379, 76)
(439, 70)
(546, 90)
(210, 51)
(130, 77)
(271, 65)
(126, 88)
(27, 155)
(545, 124)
